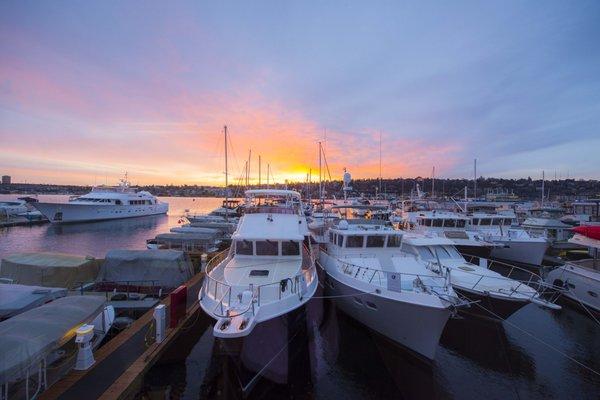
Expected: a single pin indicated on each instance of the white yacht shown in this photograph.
(496, 295)
(258, 289)
(517, 244)
(453, 226)
(581, 279)
(103, 203)
(386, 289)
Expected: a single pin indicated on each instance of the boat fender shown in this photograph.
(246, 297)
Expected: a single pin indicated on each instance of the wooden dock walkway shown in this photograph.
(120, 364)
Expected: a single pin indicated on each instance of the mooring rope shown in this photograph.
(537, 339)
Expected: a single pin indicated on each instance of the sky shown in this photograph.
(89, 90)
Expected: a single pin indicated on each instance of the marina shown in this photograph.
(518, 355)
(291, 200)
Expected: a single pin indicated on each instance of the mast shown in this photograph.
(433, 182)
(248, 170)
(380, 162)
(226, 174)
(543, 179)
(268, 170)
(320, 176)
(475, 179)
(259, 169)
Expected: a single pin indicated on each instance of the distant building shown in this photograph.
(6, 179)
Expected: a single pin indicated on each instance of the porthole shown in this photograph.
(593, 294)
(372, 306)
(358, 301)
(570, 285)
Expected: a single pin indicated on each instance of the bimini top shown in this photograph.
(272, 192)
(29, 337)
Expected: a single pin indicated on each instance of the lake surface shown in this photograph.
(475, 359)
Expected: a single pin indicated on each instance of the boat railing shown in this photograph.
(533, 280)
(270, 210)
(384, 279)
(147, 287)
(222, 292)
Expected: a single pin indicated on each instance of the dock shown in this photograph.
(122, 362)
(21, 221)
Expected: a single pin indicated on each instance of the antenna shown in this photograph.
(475, 179)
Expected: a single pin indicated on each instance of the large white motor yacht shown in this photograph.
(389, 291)
(103, 203)
(257, 290)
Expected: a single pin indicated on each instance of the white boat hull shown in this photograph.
(65, 213)
(521, 251)
(581, 284)
(414, 326)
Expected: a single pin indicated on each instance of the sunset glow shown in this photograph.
(89, 92)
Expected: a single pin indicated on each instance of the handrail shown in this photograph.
(227, 289)
(511, 266)
(354, 271)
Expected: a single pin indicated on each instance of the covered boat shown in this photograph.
(165, 268)
(49, 269)
(16, 299)
(28, 341)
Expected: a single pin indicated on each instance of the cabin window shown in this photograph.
(438, 223)
(394, 240)
(354, 241)
(243, 247)
(425, 253)
(375, 241)
(331, 237)
(452, 251)
(442, 252)
(290, 248)
(266, 248)
(340, 240)
(496, 221)
(461, 223)
(450, 223)
(475, 221)
(508, 221)
(118, 202)
(485, 222)
(259, 272)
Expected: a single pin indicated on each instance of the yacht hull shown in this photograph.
(582, 285)
(501, 308)
(521, 251)
(66, 213)
(274, 350)
(415, 327)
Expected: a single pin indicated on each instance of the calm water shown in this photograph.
(475, 359)
(96, 238)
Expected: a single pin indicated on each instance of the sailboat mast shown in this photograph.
(320, 174)
(433, 182)
(475, 179)
(543, 179)
(379, 162)
(259, 170)
(226, 173)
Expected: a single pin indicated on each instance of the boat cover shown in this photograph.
(15, 299)
(29, 337)
(167, 268)
(49, 269)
